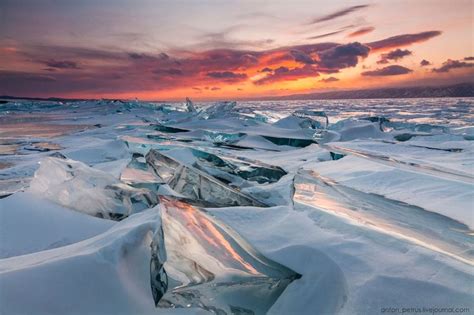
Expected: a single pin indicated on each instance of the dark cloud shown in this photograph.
(171, 71)
(61, 64)
(227, 75)
(342, 56)
(302, 57)
(137, 56)
(425, 63)
(362, 31)
(45, 52)
(339, 13)
(285, 74)
(215, 88)
(453, 64)
(468, 58)
(329, 80)
(393, 55)
(402, 40)
(141, 57)
(388, 71)
(266, 69)
(326, 34)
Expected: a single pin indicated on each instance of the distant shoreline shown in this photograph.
(447, 91)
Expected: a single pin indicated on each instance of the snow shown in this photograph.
(386, 224)
(48, 225)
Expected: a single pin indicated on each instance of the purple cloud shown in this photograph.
(326, 34)
(425, 63)
(394, 55)
(302, 57)
(61, 64)
(284, 73)
(402, 40)
(227, 75)
(453, 64)
(387, 71)
(339, 13)
(343, 56)
(171, 71)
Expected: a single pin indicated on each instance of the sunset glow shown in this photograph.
(211, 50)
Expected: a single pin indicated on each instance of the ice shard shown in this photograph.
(312, 119)
(77, 186)
(222, 137)
(211, 267)
(218, 110)
(197, 185)
(379, 119)
(292, 142)
(167, 129)
(388, 216)
(190, 106)
(336, 156)
(139, 174)
(158, 276)
(246, 170)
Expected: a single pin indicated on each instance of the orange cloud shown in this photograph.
(361, 31)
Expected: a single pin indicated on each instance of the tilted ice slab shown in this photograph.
(451, 198)
(225, 167)
(195, 184)
(395, 218)
(77, 186)
(211, 267)
(455, 158)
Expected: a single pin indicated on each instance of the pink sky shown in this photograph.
(233, 49)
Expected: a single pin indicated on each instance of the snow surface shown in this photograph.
(371, 213)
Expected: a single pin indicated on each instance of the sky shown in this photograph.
(214, 49)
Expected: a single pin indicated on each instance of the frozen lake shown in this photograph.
(279, 207)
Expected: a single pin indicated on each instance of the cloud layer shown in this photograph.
(61, 70)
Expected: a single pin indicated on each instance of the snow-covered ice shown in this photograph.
(315, 207)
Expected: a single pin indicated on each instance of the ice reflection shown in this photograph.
(211, 267)
(401, 220)
(197, 185)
